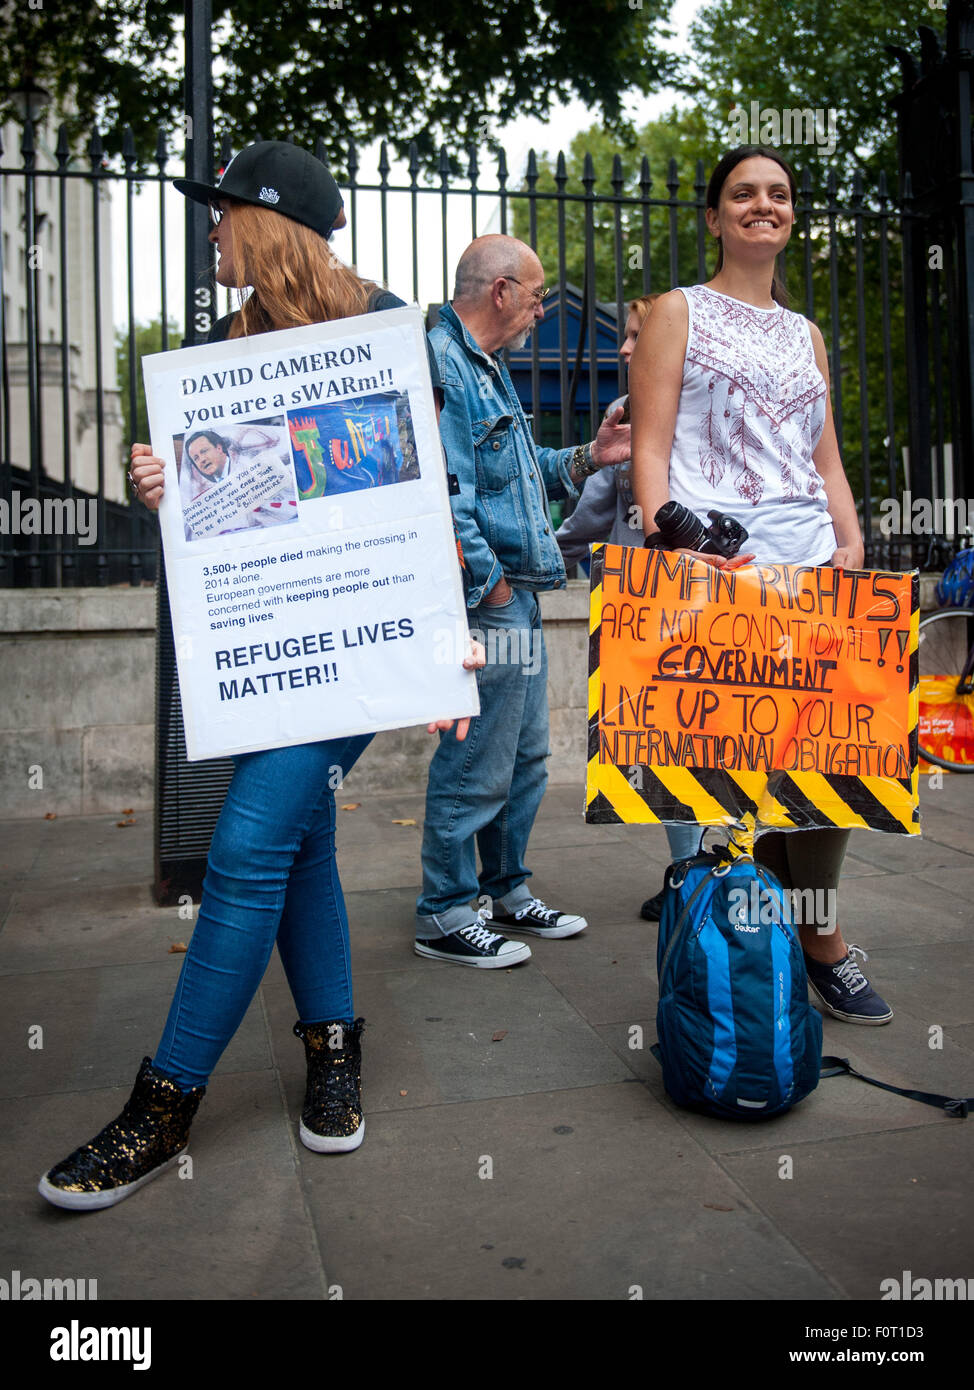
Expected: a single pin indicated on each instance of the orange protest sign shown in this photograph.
(778, 695)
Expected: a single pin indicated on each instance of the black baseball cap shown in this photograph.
(278, 175)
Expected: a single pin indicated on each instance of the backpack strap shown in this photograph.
(955, 1106)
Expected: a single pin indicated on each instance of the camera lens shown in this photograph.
(680, 528)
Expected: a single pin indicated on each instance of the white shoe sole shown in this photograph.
(554, 933)
(96, 1201)
(332, 1144)
(484, 963)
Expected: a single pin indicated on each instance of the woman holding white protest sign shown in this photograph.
(271, 873)
(731, 413)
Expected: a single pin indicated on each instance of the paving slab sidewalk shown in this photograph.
(548, 1164)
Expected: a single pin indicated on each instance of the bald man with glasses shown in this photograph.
(484, 794)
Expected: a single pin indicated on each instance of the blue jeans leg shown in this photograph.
(271, 870)
(684, 840)
(491, 784)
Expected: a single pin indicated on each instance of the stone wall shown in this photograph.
(77, 693)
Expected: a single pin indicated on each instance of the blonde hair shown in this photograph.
(641, 306)
(295, 276)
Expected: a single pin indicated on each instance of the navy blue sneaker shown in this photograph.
(844, 990)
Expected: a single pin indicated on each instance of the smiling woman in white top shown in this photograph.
(730, 404)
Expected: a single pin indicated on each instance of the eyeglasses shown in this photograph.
(216, 214)
(536, 295)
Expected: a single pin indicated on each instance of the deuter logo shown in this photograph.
(269, 195)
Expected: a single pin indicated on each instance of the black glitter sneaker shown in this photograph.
(844, 990)
(474, 945)
(149, 1135)
(332, 1119)
(540, 920)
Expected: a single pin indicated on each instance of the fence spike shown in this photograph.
(502, 167)
(588, 175)
(617, 179)
(352, 161)
(63, 150)
(473, 168)
(645, 181)
(27, 143)
(128, 148)
(413, 163)
(672, 177)
(384, 165)
(700, 181)
(96, 149)
(162, 153)
(857, 188)
(444, 166)
(561, 172)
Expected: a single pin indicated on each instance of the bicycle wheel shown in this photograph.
(946, 663)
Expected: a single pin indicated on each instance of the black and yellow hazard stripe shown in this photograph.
(777, 800)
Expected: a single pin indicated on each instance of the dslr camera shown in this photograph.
(680, 529)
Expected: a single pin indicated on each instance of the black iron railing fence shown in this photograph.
(70, 388)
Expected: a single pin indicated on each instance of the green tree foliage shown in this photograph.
(341, 70)
(621, 208)
(808, 54)
(784, 55)
(148, 339)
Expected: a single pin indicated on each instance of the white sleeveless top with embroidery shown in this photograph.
(751, 414)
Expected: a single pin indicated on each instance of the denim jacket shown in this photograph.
(501, 511)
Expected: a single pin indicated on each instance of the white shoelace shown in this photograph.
(477, 934)
(537, 908)
(849, 973)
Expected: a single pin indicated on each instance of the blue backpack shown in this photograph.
(737, 1036)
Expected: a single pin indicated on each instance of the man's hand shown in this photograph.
(613, 443)
(499, 594)
(147, 476)
(473, 661)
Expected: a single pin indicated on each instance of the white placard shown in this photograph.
(310, 552)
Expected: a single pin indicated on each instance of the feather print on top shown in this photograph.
(744, 443)
(712, 459)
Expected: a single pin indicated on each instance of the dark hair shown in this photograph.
(719, 177)
(213, 437)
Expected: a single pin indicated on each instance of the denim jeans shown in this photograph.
(487, 790)
(271, 875)
(684, 840)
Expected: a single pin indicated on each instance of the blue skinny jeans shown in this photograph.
(271, 876)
